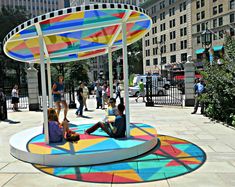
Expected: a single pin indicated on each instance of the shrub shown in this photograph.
(220, 86)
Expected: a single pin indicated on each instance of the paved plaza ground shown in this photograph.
(217, 140)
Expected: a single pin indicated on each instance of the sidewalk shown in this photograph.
(215, 139)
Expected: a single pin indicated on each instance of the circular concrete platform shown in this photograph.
(93, 149)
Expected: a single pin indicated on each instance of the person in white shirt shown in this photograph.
(15, 97)
(85, 96)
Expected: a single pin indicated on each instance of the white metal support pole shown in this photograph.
(44, 94)
(110, 71)
(126, 82)
(49, 82)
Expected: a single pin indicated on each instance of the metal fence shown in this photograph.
(165, 92)
(23, 100)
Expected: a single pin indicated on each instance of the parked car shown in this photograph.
(135, 90)
(156, 79)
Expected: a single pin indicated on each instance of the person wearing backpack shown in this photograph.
(199, 90)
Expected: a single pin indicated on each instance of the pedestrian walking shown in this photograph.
(58, 96)
(104, 96)
(118, 91)
(199, 88)
(141, 91)
(15, 98)
(80, 98)
(98, 92)
(85, 96)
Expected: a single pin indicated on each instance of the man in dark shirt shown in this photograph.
(117, 129)
(80, 100)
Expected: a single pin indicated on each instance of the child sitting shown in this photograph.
(112, 109)
(57, 131)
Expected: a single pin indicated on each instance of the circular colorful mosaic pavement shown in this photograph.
(172, 158)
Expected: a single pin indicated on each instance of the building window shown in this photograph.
(215, 23)
(147, 52)
(198, 16)
(147, 62)
(163, 27)
(172, 35)
(220, 8)
(232, 33)
(163, 49)
(173, 47)
(154, 30)
(172, 11)
(202, 3)
(155, 61)
(183, 31)
(147, 43)
(155, 51)
(171, 2)
(162, 16)
(182, 6)
(183, 57)
(173, 58)
(162, 5)
(203, 27)
(198, 28)
(172, 23)
(183, 19)
(198, 4)
(154, 40)
(215, 10)
(154, 19)
(232, 4)
(232, 18)
(163, 38)
(163, 60)
(221, 34)
(198, 39)
(220, 21)
(202, 14)
(183, 44)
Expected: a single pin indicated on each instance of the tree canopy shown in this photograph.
(220, 86)
(11, 18)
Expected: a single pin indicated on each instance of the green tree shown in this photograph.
(135, 57)
(74, 72)
(11, 18)
(220, 86)
(10, 72)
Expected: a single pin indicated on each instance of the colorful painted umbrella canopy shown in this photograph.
(76, 33)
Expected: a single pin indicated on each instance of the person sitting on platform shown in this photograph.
(115, 128)
(112, 109)
(59, 131)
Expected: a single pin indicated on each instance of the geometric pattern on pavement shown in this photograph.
(173, 157)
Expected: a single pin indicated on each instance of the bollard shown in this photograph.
(149, 94)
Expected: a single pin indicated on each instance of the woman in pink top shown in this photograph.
(108, 91)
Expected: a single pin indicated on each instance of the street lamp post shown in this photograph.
(161, 43)
(206, 37)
